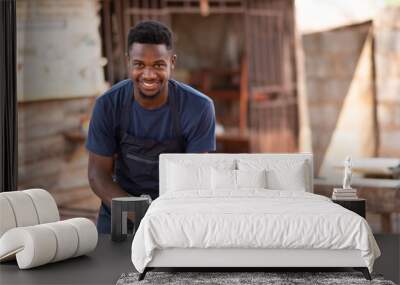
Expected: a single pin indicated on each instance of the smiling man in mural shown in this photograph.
(142, 117)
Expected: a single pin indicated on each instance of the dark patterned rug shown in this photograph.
(273, 278)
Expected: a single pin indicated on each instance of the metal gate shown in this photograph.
(273, 122)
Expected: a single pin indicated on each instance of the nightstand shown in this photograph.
(357, 205)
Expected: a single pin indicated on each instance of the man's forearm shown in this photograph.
(106, 189)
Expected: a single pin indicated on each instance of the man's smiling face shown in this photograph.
(150, 67)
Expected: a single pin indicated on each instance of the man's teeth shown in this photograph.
(149, 84)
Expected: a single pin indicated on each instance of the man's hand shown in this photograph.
(100, 171)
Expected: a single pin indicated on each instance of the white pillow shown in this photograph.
(251, 178)
(186, 174)
(223, 179)
(227, 179)
(181, 177)
(204, 162)
(295, 181)
(282, 174)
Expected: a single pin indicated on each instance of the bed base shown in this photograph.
(363, 270)
(242, 259)
(143, 274)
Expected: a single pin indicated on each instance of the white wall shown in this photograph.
(58, 49)
(321, 15)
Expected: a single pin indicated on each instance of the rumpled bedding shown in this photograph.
(250, 218)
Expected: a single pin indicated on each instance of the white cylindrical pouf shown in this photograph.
(34, 246)
(23, 208)
(7, 218)
(87, 234)
(67, 239)
(45, 205)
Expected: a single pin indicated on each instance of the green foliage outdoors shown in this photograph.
(392, 2)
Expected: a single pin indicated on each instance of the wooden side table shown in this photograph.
(119, 215)
(357, 206)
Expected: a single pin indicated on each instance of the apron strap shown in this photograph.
(176, 118)
(126, 112)
(175, 115)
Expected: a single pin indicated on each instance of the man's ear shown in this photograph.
(173, 61)
(127, 56)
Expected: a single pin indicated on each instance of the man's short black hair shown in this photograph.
(150, 32)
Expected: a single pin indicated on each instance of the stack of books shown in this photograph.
(344, 194)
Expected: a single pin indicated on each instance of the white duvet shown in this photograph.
(252, 218)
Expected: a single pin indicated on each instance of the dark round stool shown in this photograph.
(119, 215)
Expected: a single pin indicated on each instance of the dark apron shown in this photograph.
(136, 167)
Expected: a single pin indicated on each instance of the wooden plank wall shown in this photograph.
(45, 153)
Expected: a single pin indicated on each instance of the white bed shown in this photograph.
(280, 224)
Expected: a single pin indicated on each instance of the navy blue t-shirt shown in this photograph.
(196, 113)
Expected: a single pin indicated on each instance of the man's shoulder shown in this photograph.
(191, 97)
(116, 95)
